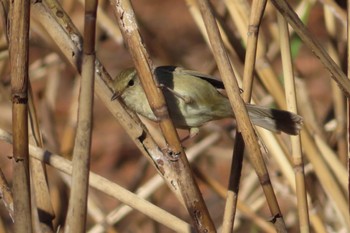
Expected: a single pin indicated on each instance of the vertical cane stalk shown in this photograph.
(19, 42)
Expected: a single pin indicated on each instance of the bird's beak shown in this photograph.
(116, 95)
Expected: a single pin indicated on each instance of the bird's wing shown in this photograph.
(174, 69)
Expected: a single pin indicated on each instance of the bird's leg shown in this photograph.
(186, 99)
(193, 133)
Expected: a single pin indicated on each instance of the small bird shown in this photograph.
(193, 99)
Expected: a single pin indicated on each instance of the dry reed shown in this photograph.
(308, 172)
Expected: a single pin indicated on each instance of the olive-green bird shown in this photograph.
(193, 99)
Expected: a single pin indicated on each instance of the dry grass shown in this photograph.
(274, 64)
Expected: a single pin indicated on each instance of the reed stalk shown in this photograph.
(77, 209)
(241, 114)
(297, 158)
(19, 45)
(256, 14)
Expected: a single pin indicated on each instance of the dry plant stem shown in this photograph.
(67, 140)
(239, 11)
(340, 115)
(38, 176)
(69, 43)
(298, 163)
(332, 162)
(38, 173)
(107, 187)
(107, 24)
(245, 210)
(19, 36)
(306, 110)
(236, 62)
(274, 147)
(6, 195)
(241, 114)
(147, 189)
(185, 180)
(258, 7)
(332, 190)
(76, 216)
(336, 73)
(335, 9)
(47, 108)
(326, 179)
(4, 9)
(264, 69)
(256, 14)
(338, 98)
(233, 186)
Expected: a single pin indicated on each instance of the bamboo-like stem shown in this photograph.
(256, 14)
(248, 75)
(104, 185)
(233, 186)
(76, 216)
(19, 47)
(241, 114)
(239, 11)
(107, 24)
(336, 73)
(189, 189)
(298, 163)
(38, 175)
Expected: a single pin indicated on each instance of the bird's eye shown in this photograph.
(131, 83)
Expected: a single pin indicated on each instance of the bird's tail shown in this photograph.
(275, 120)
